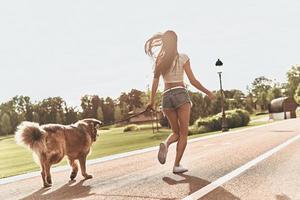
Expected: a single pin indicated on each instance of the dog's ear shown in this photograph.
(96, 123)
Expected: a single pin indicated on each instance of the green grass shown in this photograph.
(256, 117)
(16, 160)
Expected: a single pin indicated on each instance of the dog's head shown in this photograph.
(93, 125)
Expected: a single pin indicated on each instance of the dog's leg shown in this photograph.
(82, 161)
(74, 166)
(44, 175)
(49, 180)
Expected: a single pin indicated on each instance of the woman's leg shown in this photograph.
(183, 113)
(173, 120)
(173, 137)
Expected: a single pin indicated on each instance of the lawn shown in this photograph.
(257, 117)
(15, 159)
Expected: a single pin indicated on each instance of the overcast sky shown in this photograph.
(69, 48)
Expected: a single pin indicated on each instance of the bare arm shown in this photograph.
(153, 90)
(194, 81)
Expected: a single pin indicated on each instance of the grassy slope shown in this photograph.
(15, 159)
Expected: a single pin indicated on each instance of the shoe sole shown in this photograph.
(160, 156)
(180, 172)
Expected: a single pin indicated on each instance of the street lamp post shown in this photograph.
(219, 66)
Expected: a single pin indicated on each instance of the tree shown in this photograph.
(86, 106)
(50, 110)
(134, 99)
(197, 108)
(260, 88)
(261, 84)
(215, 106)
(262, 100)
(117, 113)
(123, 103)
(96, 103)
(23, 107)
(5, 125)
(236, 99)
(59, 118)
(35, 117)
(108, 110)
(100, 114)
(293, 76)
(90, 105)
(249, 103)
(274, 92)
(71, 115)
(297, 94)
(9, 108)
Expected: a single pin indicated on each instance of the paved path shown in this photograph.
(258, 163)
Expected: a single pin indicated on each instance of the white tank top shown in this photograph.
(175, 74)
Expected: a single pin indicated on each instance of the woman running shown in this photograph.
(176, 103)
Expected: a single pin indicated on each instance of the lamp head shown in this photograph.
(219, 66)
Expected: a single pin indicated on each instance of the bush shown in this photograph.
(245, 116)
(235, 118)
(193, 130)
(211, 123)
(131, 127)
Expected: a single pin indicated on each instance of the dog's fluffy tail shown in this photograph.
(30, 134)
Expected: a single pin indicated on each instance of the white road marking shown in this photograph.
(124, 155)
(210, 187)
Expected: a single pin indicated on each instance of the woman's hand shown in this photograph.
(211, 96)
(150, 106)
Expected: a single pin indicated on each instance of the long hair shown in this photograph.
(168, 50)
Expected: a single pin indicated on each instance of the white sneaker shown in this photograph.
(179, 169)
(162, 153)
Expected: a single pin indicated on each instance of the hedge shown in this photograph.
(131, 127)
(235, 118)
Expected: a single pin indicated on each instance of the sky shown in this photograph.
(70, 48)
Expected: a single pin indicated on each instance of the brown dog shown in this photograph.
(51, 142)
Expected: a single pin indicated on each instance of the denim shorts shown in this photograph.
(174, 98)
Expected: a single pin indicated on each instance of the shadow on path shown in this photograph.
(67, 191)
(196, 184)
(282, 197)
(78, 190)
